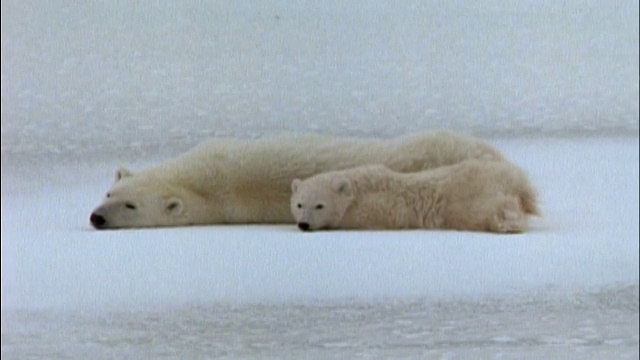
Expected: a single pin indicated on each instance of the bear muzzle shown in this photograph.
(98, 221)
(304, 226)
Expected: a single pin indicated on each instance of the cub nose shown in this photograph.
(303, 226)
(97, 220)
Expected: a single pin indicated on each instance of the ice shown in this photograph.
(586, 238)
(529, 326)
(110, 74)
(90, 86)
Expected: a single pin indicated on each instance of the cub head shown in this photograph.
(138, 201)
(321, 201)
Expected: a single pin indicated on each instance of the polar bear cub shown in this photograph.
(475, 195)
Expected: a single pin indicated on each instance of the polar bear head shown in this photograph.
(321, 201)
(140, 201)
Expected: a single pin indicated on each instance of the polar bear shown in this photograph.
(476, 195)
(234, 181)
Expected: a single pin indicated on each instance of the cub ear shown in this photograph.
(173, 206)
(294, 184)
(122, 172)
(341, 185)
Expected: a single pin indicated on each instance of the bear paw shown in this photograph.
(510, 218)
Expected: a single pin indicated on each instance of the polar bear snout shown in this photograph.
(304, 226)
(98, 221)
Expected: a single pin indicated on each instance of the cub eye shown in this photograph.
(299, 206)
(130, 206)
(319, 206)
(108, 194)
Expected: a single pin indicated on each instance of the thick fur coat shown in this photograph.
(231, 181)
(476, 195)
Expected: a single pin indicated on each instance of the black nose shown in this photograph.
(97, 221)
(303, 226)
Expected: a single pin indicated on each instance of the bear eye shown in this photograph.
(130, 206)
(299, 206)
(108, 195)
(172, 206)
(319, 206)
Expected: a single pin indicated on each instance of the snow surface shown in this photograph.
(89, 86)
(587, 238)
(550, 325)
(91, 75)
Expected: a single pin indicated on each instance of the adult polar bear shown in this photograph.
(249, 181)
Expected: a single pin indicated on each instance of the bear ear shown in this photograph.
(342, 186)
(173, 206)
(294, 184)
(122, 172)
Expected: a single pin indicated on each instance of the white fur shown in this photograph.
(245, 181)
(476, 195)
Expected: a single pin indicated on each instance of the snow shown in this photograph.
(89, 86)
(92, 86)
(586, 238)
(104, 75)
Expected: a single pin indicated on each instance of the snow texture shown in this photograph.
(586, 238)
(87, 76)
(88, 86)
